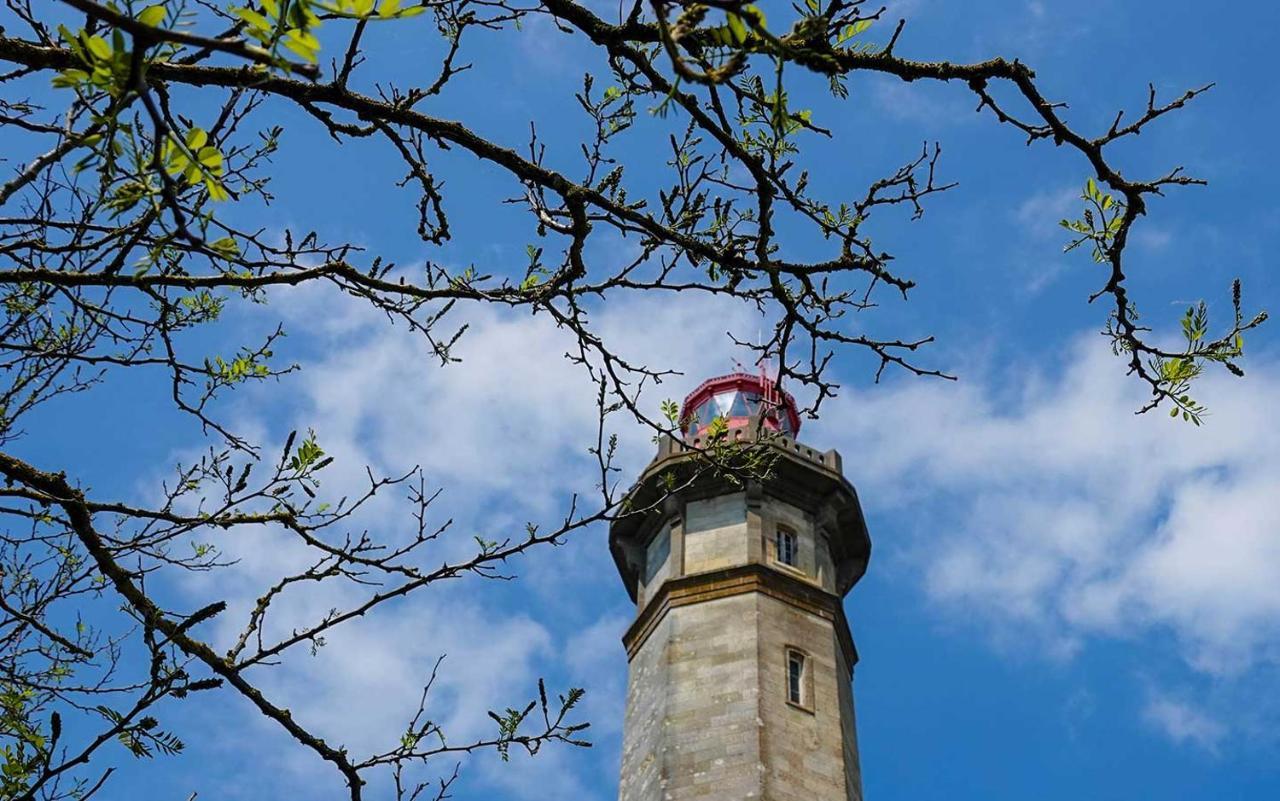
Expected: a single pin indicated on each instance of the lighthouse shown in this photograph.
(740, 657)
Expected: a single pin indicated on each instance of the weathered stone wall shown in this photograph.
(644, 725)
(715, 533)
(802, 745)
(708, 715)
(692, 707)
(848, 723)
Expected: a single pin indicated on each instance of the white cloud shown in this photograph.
(1213, 569)
(513, 405)
(1031, 32)
(1151, 237)
(362, 688)
(903, 8)
(1037, 220)
(934, 105)
(1183, 723)
(1039, 213)
(1040, 507)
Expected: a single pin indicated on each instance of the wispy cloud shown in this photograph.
(934, 106)
(1039, 213)
(1152, 237)
(1036, 219)
(1183, 723)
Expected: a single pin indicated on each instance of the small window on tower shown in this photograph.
(785, 546)
(796, 677)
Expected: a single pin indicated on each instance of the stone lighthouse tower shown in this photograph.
(741, 659)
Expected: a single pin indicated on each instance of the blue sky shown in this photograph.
(1065, 601)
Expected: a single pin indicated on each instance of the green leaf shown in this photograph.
(852, 30)
(70, 78)
(253, 19)
(196, 138)
(211, 159)
(302, 43)
(217, 191)
(98, 47)
(227, 246)
(759, 16)
(152, 15)
(671, 410)
(738, 28)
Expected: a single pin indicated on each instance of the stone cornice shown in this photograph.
(801, 476)
(740, 580)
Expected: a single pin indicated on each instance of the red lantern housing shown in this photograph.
(738, 397)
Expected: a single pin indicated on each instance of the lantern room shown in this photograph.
(737, 398)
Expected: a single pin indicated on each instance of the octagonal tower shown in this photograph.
(740, 657)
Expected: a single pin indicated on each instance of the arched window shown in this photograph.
(784, 542)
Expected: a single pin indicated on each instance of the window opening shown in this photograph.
(795, 677)
(785, 544)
